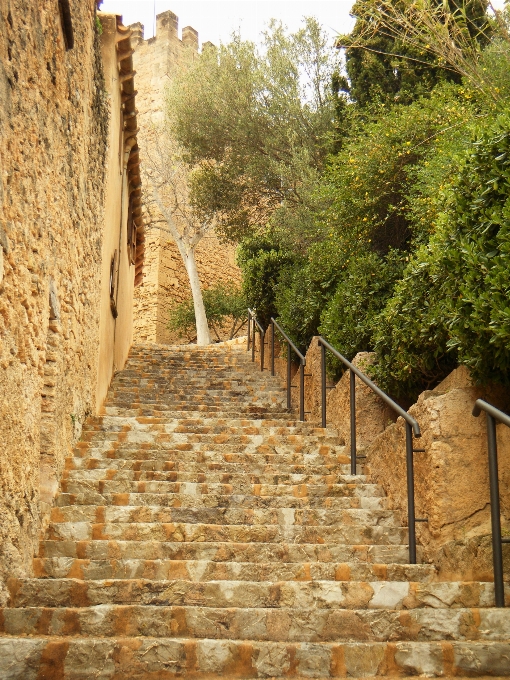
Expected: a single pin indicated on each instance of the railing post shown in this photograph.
(497, 551)
(352, 395)
(272, 347)
(253, 341)
(249, 333)
(289, 401)
(302, 391)
(262, 345)
(323, 384)
(411, 513)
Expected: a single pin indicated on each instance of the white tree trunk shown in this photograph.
(203, 336)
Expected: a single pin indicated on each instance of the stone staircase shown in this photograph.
(201, 532)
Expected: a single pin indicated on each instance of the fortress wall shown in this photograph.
(165, 282)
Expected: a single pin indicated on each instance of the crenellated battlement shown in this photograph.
(167, 30)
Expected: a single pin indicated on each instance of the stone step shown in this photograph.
(166, 411)
(225, 552)
(248, 437)
(241, 481)
(198, 489)
(283, 517)
(156, 657)
(187, 452)
(216, 500)
(184, 462)
(210, 425)
(285, 624)
(238, 533)
(206, 570)
(272, 594)
(186, 388)
(221, 409)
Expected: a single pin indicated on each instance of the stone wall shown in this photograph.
(451, 476)
(165, 282)
(54, 120)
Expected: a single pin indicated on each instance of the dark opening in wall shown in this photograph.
(67, 23)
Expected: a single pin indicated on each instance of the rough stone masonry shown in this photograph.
(165, 282)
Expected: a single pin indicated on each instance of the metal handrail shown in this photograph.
(302, 364)
(492, 415)
(252, 321)
(411, 425)
(289, 341)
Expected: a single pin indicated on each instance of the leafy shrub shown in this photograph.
(410, 334)
(224, 303)
(262, 262)
(478, 257)
(366, 186)
(348, 320)
(453, 301)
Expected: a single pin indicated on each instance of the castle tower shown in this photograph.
(165, 282)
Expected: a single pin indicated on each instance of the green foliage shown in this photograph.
(452, 303)
(298, 302)
(410, 335)
(348, 320)
(256, 121)
(365, 186)
(224, 304)
(478, 256)
(262, 261)
(388, 62)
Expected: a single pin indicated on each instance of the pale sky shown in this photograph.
(216, 19)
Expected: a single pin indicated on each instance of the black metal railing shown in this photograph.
(494, 415)
(412, 429)
(291, 347)
(302, 364)
(411, 426)
(254, 324)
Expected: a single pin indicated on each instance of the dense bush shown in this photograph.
(452, 304)
(478, 256)
(365, 189)
(348, 320)
(262, 261)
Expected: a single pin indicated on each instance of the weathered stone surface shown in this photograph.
(53, 136)
(451, 476)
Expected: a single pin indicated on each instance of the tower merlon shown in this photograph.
(167, 24)
(137, 33)
(190, 37)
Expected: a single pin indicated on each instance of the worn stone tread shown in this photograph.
(149, 658)
(225, 551)
(206, 570)
(329, 594)
(269, 624)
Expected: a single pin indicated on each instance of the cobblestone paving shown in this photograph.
(202, 532)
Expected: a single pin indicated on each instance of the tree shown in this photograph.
(401, 49)
(257, 122)
(169, 176)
